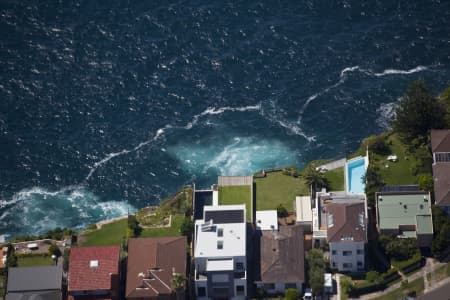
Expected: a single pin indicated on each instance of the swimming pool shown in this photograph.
(355, 170)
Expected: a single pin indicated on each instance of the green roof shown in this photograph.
(405, 209)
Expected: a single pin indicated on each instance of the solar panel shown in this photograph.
(400, 188)
(442, 157)
(225, 216)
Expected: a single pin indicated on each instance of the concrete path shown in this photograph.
(430, 266)
(333, 165)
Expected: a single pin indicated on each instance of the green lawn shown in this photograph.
(277, 188)
(416, 285)
(336, 179)
(109, 234)
(173, 230)
(236, 195)
(113, 233)
(397, 173)
(34, 261)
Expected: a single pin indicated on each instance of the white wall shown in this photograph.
(339, 259)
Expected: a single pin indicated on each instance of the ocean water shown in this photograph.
(108, 106)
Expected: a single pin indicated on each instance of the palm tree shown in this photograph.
(178, 283)
(315, 179)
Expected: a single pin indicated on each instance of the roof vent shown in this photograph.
(405, 207)
(93, 264)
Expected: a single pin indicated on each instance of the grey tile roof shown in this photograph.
(27, 279)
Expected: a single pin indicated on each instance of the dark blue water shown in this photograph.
(107, 106)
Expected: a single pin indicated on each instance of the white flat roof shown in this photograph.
(225, 264)
(266, 220)
(232, 241)
(303, 208)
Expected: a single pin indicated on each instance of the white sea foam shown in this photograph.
(161, 131)
(344, 73)
(72, 206)
(385, 114)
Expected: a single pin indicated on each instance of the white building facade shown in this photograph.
(220, 253)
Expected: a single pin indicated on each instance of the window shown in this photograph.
(269, 286)
(240, 290)
(201, 292)
(346, 265)
(220, 232)
(220, 245)
(360, 251)
(330, 220)
(239, 266)
(290, 286)
(346, 253)
(360, 264)
(361, 219)
(333, 264)
(333, 252)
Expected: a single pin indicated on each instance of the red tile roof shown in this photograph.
(86, 278)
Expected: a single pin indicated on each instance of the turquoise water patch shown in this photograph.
(356, 171)
(236, 156)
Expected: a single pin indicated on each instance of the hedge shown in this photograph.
(408, 265)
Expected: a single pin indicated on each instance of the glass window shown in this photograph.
(333, 252)
(201, 292)
(346, 253)
(347, 265)
(239, 266)
(220, 245)
(290, 286)
(360, 251)
(220, 232)
(269, 286)
(360, 263)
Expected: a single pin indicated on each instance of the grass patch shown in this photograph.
(336, 179)
(237, 195)
(277, 188)
(173, 230)
(399, 172)
(416, 285)
(109, 234)
(34, 261)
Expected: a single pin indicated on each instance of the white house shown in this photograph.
(220, 253)
(341, 220)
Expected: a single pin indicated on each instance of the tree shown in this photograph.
(134, 229)
(316, 270)
(54, 250)
(417, 112)
(377, 144)
(291, 294)
(425, 181)
(178, 282)
(315, 179)
(399, 249)
(445, 100)
(373, 182)
(282, 211)
(187, 227)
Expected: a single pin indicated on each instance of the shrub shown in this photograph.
(377, 144)
(187, 227)
(374, 277)
(291, 294)
(54, 250)
(282, 211)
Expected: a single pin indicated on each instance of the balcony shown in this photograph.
(240, 274)
(200, 276)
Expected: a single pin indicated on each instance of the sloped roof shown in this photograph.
(440, 140)
(83, 277)
(164, 255)
(26, 279)
(346, 225)
(282, 255)
(42, 295)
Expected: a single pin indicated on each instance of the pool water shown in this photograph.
(355, 170)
